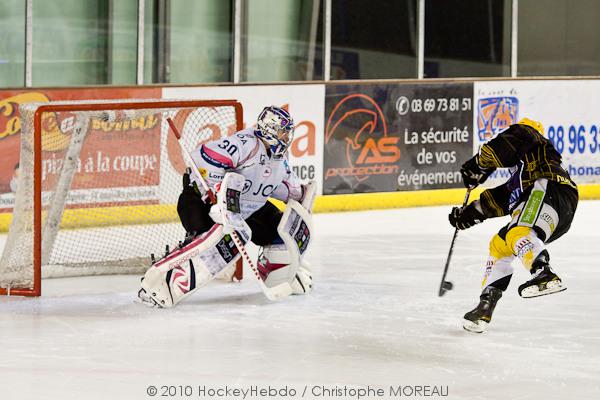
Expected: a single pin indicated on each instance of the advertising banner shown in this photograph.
(396, 137)
(568, 110)
(304, 102)
(112, 153)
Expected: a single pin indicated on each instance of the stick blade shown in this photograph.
(444, 287)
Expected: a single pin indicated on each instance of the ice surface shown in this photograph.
(374, 319)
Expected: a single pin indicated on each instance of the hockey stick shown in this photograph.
(447, 285)
(273, 293)
(190, 163)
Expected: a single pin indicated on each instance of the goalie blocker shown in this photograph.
(199, 260)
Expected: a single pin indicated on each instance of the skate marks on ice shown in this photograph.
(374, 318)
(556, 337)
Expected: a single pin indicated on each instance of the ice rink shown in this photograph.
(374, 319)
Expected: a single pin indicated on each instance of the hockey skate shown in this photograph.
(145, 299)
(478, 319)
(543, 280)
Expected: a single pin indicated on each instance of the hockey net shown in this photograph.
(99, 183)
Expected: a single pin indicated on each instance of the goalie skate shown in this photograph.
(147, 300)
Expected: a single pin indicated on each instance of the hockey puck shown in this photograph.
(448, 285)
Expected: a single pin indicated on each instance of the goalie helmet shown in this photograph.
(276, 127)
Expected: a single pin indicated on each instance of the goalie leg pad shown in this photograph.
(308, 197)
(281, 264)
(188, 268)
(277, 267)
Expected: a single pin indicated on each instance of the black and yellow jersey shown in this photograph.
(529, 156)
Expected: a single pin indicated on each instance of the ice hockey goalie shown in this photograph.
(244, 170)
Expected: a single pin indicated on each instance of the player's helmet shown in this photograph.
(531, 123)
(276, 127)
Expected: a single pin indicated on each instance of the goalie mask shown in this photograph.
(276, 127)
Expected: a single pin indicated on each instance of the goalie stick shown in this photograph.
(447, 285)
(273, 293)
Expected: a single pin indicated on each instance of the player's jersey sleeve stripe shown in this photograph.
(488, 158)
(217, 159)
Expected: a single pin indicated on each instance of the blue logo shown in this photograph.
(495, 114)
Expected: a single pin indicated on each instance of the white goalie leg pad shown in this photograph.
(282, 264)
(277, 267)
(308, 198)
(188, 268)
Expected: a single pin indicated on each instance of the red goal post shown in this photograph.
(112, 200)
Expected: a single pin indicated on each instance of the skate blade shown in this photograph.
(551, 287)
(476, 327)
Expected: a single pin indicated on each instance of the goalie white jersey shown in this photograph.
(245, 154)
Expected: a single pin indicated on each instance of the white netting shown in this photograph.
(110, 183)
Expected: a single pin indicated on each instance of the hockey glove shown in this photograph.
(473, 174)
(463, 218)
(192, 188)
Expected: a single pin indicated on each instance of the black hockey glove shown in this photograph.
(190, 187)
(472, 174)
(187, 182)
(463, 218)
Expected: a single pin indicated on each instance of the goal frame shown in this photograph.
(77, 106)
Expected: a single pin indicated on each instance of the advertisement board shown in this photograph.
(304, 102)
(111, 154)
(385, 137)
(566, 108)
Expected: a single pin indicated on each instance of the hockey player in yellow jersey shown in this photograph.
(541, 199)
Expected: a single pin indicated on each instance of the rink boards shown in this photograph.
(377, 144)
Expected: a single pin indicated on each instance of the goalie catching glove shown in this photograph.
(463, 218)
